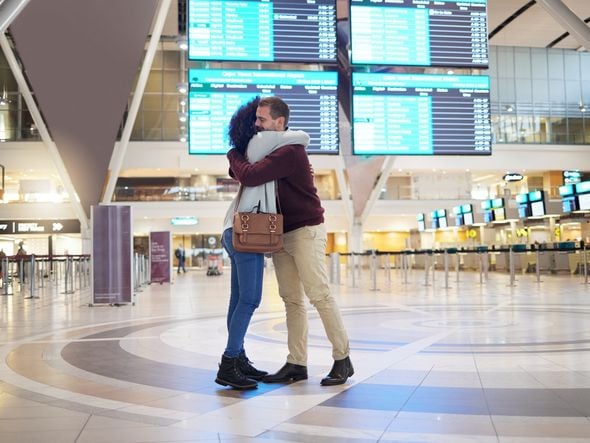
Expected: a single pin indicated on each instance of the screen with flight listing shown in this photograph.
(420, 114)
(301, 31)
(215, 94)
(419, 32)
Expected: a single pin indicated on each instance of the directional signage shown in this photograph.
(39, 226)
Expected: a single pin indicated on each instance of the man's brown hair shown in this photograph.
(278, 108)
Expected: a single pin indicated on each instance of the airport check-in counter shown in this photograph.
(553, 257)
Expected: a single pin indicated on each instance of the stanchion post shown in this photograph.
(405, 266)
(388, 268)
(21, 273)
(480, 256)
(80, 273)
(32, 276)
(538, 265)
(511, 265)
(42, 266)
(353, 264)
(585, 264)
(68, 274)
(336, 266)
(446, 263)
(373, 267)
(426, 265)
(6, 279)
(433, 262)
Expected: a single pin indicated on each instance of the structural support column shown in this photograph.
(43, 132)
(121, 148)
(356, 236)
(8, 11)
(570, 21)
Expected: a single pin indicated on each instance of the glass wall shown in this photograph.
(16, 122)
(540, 95)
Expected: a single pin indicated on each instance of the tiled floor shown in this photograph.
(472, 363)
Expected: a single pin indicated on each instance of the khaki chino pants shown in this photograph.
(301, 270)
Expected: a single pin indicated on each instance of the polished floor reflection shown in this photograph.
(476, 362)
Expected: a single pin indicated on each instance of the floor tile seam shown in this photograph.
(485, 397)
(567, 369)
(555, 393)
(416, 387)
(83, 428)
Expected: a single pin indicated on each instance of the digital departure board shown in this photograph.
(215, 94)
(301, 31)
(419, 32)
(420, 114)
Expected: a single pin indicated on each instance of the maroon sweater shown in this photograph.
(289, 166)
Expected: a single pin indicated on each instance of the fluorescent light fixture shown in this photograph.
(184, 221)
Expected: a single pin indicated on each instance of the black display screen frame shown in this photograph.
(288, 22)
(446, 94)
(215, 94)
(425, 42)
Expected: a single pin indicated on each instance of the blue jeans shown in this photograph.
(247, 270)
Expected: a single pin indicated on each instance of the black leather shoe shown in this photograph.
(340, 372)
(289, 372)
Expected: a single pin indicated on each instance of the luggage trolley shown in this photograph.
(214, 264)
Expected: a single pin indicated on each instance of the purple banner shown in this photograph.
(160, 257)
(111, 254)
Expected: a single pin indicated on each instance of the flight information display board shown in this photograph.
(215, 94)
(301, 31)
(420, 114)
(419, 32)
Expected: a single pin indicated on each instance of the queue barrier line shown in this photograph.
(403, 263)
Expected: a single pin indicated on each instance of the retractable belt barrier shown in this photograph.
(28, 275)
(405, 261)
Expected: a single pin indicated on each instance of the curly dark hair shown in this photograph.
(241, 125)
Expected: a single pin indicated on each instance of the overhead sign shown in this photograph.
(571, 177)
(39, 226)
(512, 177)
(184, 221)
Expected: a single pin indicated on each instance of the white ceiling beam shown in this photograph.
(120, 148)
(379, 185)
(9, 9)
(569, 20)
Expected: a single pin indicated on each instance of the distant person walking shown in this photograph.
(180, 255)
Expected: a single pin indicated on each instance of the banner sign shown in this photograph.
(40, 226)
(112, 264)
(160, 257)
